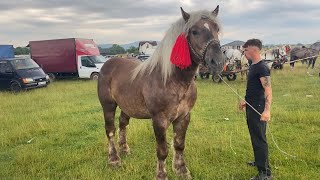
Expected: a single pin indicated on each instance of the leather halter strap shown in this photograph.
(203, 50)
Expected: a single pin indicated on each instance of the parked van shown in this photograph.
(17, 74)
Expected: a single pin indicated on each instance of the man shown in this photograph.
(258, 95)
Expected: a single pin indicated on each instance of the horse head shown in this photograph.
(204, 41)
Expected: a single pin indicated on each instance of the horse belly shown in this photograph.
(134, 109)
(131, 101)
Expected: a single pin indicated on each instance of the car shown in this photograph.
(21, 73)
(143, 57)
(110, 56)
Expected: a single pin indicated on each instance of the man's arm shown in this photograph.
(266, 83)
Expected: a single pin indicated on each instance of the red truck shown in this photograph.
(63, 58)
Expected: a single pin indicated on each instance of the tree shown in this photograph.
(116, 49)
(21, 51)
(133, 50)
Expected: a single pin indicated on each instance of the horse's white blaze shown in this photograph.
(207, 26)
(110, 134)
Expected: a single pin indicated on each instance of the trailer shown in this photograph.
(230, 71)
(68, 58)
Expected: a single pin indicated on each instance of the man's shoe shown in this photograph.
(262, 176)
(251, 163)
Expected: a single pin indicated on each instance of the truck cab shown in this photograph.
(89, 66)
(17, 74)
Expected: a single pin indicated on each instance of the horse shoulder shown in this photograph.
(190, 97)
(193, 93)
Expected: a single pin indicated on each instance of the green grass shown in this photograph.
(66, 126)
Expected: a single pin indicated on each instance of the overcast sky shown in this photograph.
(125, 21)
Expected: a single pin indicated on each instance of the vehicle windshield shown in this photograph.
(97, 59)
(24, 64)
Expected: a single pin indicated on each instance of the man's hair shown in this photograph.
(253, 42)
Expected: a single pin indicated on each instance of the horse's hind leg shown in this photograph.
(313, 62)
(109, 110)
(180, 127)
(123, 123)
(309, 63)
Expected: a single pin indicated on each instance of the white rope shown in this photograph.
(260, 115)
(301, 59)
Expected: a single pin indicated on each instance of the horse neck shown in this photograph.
(186, 76)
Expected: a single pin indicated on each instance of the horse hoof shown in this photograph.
(124, 150)
(115, 163)
(183, 172)
(185, 177)
(162, 176)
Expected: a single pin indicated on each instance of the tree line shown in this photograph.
(21, 51)
(117, 49)
(113, 50)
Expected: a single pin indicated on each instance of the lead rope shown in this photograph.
(260, 115)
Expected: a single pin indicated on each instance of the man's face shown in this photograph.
(251, 51)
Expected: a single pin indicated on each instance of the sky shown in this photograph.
(126, 21)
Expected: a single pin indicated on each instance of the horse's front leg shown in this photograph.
(160, 126)
(180, 127)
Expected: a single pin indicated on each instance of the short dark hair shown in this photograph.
(253, 42)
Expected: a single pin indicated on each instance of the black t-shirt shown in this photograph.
(254, 86)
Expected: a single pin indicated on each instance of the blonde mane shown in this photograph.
(161, 56)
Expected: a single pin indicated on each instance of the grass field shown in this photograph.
(58, 133)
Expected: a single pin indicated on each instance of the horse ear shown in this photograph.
(216, 11)
(185, 15)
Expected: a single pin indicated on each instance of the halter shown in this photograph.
(203, 50)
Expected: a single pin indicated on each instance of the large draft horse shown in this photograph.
(161, 88)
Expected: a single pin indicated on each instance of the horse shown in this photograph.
(315, 46)
(161, 88)
(313, 54)
(274, 53)
(244, 66)
(235, 56)
(301, 53)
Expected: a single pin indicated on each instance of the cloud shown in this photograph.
(123, 21)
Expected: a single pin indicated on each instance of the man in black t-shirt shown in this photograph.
(259, 96)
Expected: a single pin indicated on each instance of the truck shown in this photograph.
(6, 51)
(67, 58)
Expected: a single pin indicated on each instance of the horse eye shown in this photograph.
(194, 32)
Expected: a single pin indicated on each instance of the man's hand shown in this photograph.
(242, 105)
(265, 116)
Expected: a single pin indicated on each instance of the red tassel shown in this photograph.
(180, 55)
